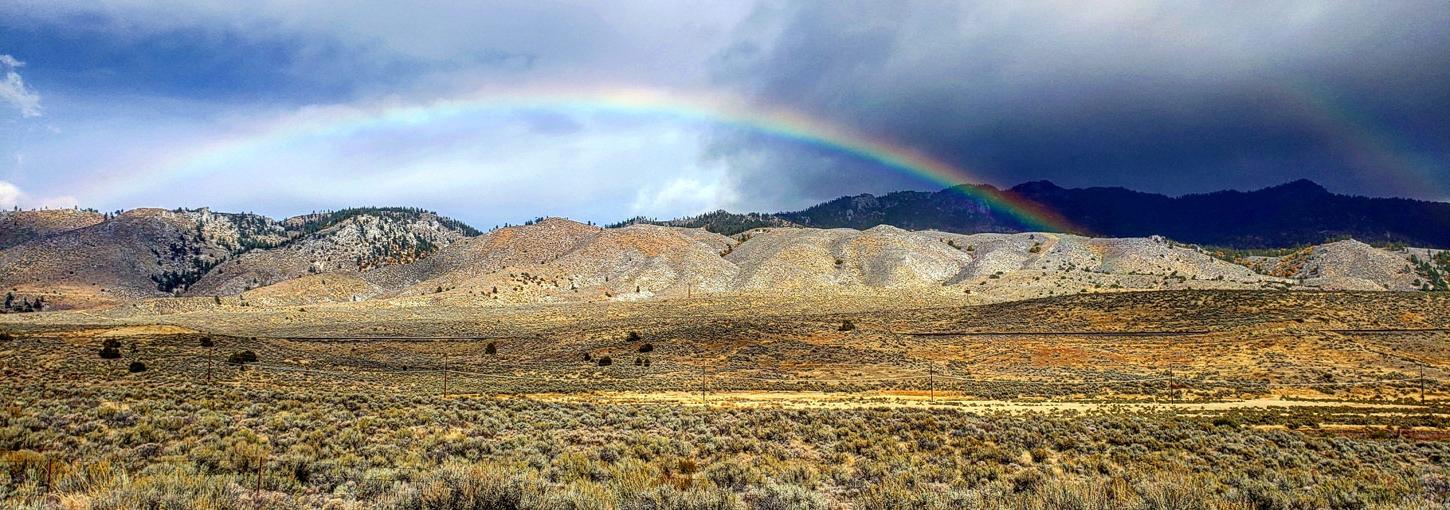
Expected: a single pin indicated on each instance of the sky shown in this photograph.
(600, 111)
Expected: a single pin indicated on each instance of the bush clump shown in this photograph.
(604, 361)
(136, 367)
(647, 347)
(240, 357)
(207, 342)
(490, 349)
(111, 349)
(847, 326)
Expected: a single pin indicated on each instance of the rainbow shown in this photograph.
(1378, 153)
(711, 110)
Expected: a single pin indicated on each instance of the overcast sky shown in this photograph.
(101, 102)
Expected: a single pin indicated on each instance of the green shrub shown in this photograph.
(136, 367)
(240, 357)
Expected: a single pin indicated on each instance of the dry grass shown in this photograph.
(1080, 413)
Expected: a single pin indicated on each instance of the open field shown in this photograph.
(1190, 399)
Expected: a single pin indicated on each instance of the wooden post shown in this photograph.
(931, 380)
(261, 464)
(445, 377)
(702, 385)
(1422, 385)
(50, 474)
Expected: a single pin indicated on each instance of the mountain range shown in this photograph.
(1298, 213)
(946, 243)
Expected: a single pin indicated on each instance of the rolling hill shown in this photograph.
(403, 256)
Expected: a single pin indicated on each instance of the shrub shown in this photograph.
(136, 367)
(6, 337)
(111, 349)
(647, 347)
(587, 357)
(634, 336)
(240, 357)
(207, 342)
(604, 361)
(847, 326)
(490, 349)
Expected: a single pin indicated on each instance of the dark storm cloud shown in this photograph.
(1174, 97)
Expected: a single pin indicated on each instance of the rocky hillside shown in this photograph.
(407, 256)
(343, 241)
(20, 227)
(561, 260)
(154, 252)
(573, 261)
(138, 253)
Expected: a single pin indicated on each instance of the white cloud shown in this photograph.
(13, 89)
(9, 195)
(682, 196)
(12, 196)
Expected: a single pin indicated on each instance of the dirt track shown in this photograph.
(917, 399)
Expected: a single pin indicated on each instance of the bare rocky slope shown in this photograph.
(348, 243)
(410, 257)
(20, 227)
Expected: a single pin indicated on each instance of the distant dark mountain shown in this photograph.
(1296, 213)
(951, 209)
(721, 222)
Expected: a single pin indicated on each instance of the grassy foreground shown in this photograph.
(120, 446)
